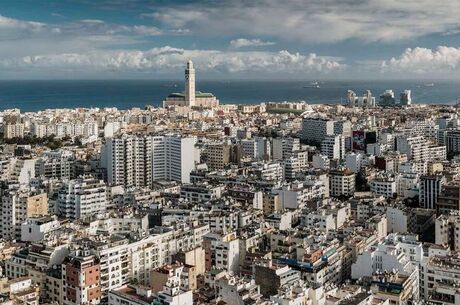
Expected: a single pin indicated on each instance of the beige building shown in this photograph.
(37, 205)
(218, 155)
(271, 203)
(16, 207)
(14, 131)
(160, 276)
(434, 168)
(194, 257)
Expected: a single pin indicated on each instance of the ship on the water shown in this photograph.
(313, 85)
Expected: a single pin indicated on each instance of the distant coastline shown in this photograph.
(33, 95)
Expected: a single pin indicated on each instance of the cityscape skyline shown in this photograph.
(230, 39)
(229, 152)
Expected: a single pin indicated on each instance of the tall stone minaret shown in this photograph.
(189, 84)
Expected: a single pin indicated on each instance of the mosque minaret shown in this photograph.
(190, 97)
(190, 84)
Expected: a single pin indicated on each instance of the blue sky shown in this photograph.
(290, 39)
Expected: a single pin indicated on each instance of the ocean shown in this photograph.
(124, 94)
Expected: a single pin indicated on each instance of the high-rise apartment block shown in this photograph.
(429, 190)
(416, 148)
(283, 148)
(173, 158)
(139, 160)
(315, 130)
(333, 147)
(128, 160)
(82, 198)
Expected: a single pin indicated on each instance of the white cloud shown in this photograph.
(10, 23)
(168, 60)
(315, 20)
(25, 38)
(422, 60)
(14, 29)
(243, 42)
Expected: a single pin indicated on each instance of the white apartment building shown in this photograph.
(82, 198)
(111, 128)
(341, 183)
(284, 147)
(140, 160)
(122, 261)
(321, 221)
(328, 218)
(173, 292)
(447, 228)
(173, 157)
(400, 219)
(219, 221)
(294, 165)
(364, 101)
(55, 167)
(273, 171)
(235, 291)
(437, 153)
(128, 160)
(35, 229)
(13, 212)
(297, 194)
(419, 167)
(385, 186)
(354, 161)
(316, 129)
(122, 225)
(258, 148)
(377, 149)
(416, 148)
(403, 253)
(408, 185)
(65, 129)
(321, 161)
(333, 147)
(440, 278)
(222, 252)
(201, 192)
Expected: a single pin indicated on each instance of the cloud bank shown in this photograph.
(316, 21)
(243, 42)
(422, 60)
(168, 59)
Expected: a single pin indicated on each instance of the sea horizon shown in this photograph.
(35, 95)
